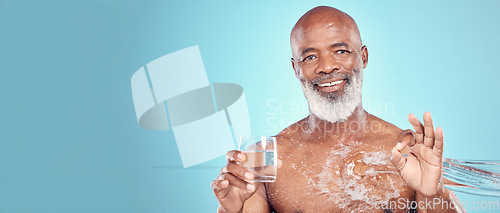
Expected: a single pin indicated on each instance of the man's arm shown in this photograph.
(422, 168)
(444, 201)
(258, 202)
(233, 186)
(235, 190)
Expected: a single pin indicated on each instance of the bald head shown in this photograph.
(323, 17)
(328, 59)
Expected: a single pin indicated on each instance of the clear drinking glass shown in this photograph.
(262, 156)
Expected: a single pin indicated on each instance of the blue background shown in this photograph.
(69, 138)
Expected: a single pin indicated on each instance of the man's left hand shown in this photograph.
(422, 167)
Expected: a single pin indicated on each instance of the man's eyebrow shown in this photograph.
(339, 44)
(307, 50)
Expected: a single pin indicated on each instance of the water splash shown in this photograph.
(477, 177)
(348, 178)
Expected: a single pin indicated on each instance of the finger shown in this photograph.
(419, 128)
(239, 171)
(439, 142)
(219, 187)
(397, 159)
(407, 137)
(235, 155)
(428, 130)
(237, 182)
(422, 153)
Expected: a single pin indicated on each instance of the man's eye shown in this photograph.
(311, 57)
(342, 51)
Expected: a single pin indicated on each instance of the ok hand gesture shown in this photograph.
(422, 168)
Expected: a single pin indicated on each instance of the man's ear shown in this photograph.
(364, 56)
(293, 66)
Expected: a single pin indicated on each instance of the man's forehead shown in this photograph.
(325, 34)
(309, 31)
(324, 20)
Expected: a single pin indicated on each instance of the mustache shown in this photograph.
(330, 76)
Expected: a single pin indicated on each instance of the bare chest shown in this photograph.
(342, 178)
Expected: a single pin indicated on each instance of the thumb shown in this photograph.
(407, 138)
(397, 158)
(220, 188)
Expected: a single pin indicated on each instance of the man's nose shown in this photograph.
(327, 64)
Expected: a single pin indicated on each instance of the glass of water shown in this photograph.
(262, 156)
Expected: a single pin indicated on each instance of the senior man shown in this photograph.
(340, 158)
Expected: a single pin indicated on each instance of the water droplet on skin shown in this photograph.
(338, 182)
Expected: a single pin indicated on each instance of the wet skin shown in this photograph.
(305, 154)
(324, 45)
(321, 165)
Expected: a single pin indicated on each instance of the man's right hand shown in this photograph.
(232, 187)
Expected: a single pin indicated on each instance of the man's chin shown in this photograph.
(331, 96)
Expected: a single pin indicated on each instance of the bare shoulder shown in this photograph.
(291, 135)
(382, 130)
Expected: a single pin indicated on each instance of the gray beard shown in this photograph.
(334, 108)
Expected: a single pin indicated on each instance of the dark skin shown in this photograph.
(304, 156)
(321, 165)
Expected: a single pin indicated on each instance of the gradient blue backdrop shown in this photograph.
(69, 138)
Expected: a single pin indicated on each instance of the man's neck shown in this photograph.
(353, 125)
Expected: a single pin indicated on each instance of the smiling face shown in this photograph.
(328, 59)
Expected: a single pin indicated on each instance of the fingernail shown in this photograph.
(250, 187)
(398, 146)
(248, 175)
(224, 183)
(241, 156)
